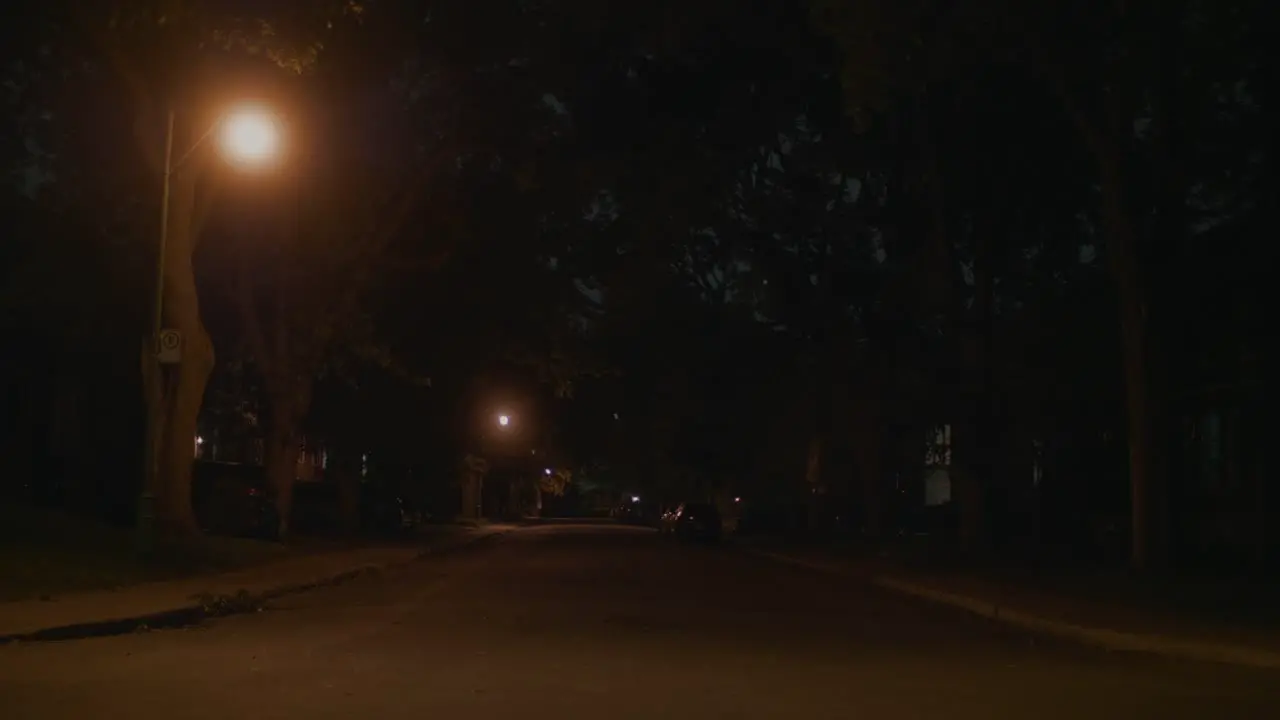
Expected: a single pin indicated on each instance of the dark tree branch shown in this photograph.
(205, 202)
(253, 332)
(344, 305)
(149, 142)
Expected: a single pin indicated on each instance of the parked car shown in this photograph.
(317, 509)
(667, 521)
(383, 511)
(636, 513)
(693, 522)
(233, 499)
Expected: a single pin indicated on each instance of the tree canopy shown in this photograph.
(725, 242)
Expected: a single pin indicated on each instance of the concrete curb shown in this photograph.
(210, 605)
(460, 543)
(1150, 643)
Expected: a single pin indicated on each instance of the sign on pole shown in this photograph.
(169, 347)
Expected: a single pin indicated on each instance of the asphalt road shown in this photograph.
(583, 621)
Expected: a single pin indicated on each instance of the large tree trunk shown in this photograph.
(348, 479)
(290, 403)
(18, 444)
(472, 488)
(813, 478)
(515, 510)
(288, 377)
(868, 442)
(67, 440)
(978, 467)
(1121, 236)
(969, 470)
(282, 467)
(175, 394)
(1144, 478)
(868, 447)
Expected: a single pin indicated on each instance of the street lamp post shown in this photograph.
(249, 136)
(473, 494)
(505, 424)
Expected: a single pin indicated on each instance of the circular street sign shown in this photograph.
(169, 347)
(170, 340)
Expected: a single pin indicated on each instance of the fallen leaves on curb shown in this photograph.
(216, 605)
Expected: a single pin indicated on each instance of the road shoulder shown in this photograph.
(1095, 624)
(179, 602)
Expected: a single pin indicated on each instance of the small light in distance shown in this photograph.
(635, 498)
(547, 471)
(737, 499)
(199, 440)
(504, 420)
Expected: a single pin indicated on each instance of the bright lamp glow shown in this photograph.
(504, 420)
(635, 498)
(250, 135)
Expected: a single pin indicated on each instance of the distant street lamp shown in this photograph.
(249, 136)
(504, 420)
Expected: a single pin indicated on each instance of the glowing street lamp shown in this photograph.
(249, 135)
(504, 421)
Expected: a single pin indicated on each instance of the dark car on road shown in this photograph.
(381, 510)
(384, 511)
(636, 512)
(233, 499)
(693, 522)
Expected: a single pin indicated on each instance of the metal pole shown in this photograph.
(146, 500)
(157, 318)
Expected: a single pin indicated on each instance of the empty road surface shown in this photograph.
(590, 621)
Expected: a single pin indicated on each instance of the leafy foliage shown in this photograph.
(555, 483)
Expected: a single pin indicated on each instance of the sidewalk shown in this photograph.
(176, 602)
(1213, 622)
